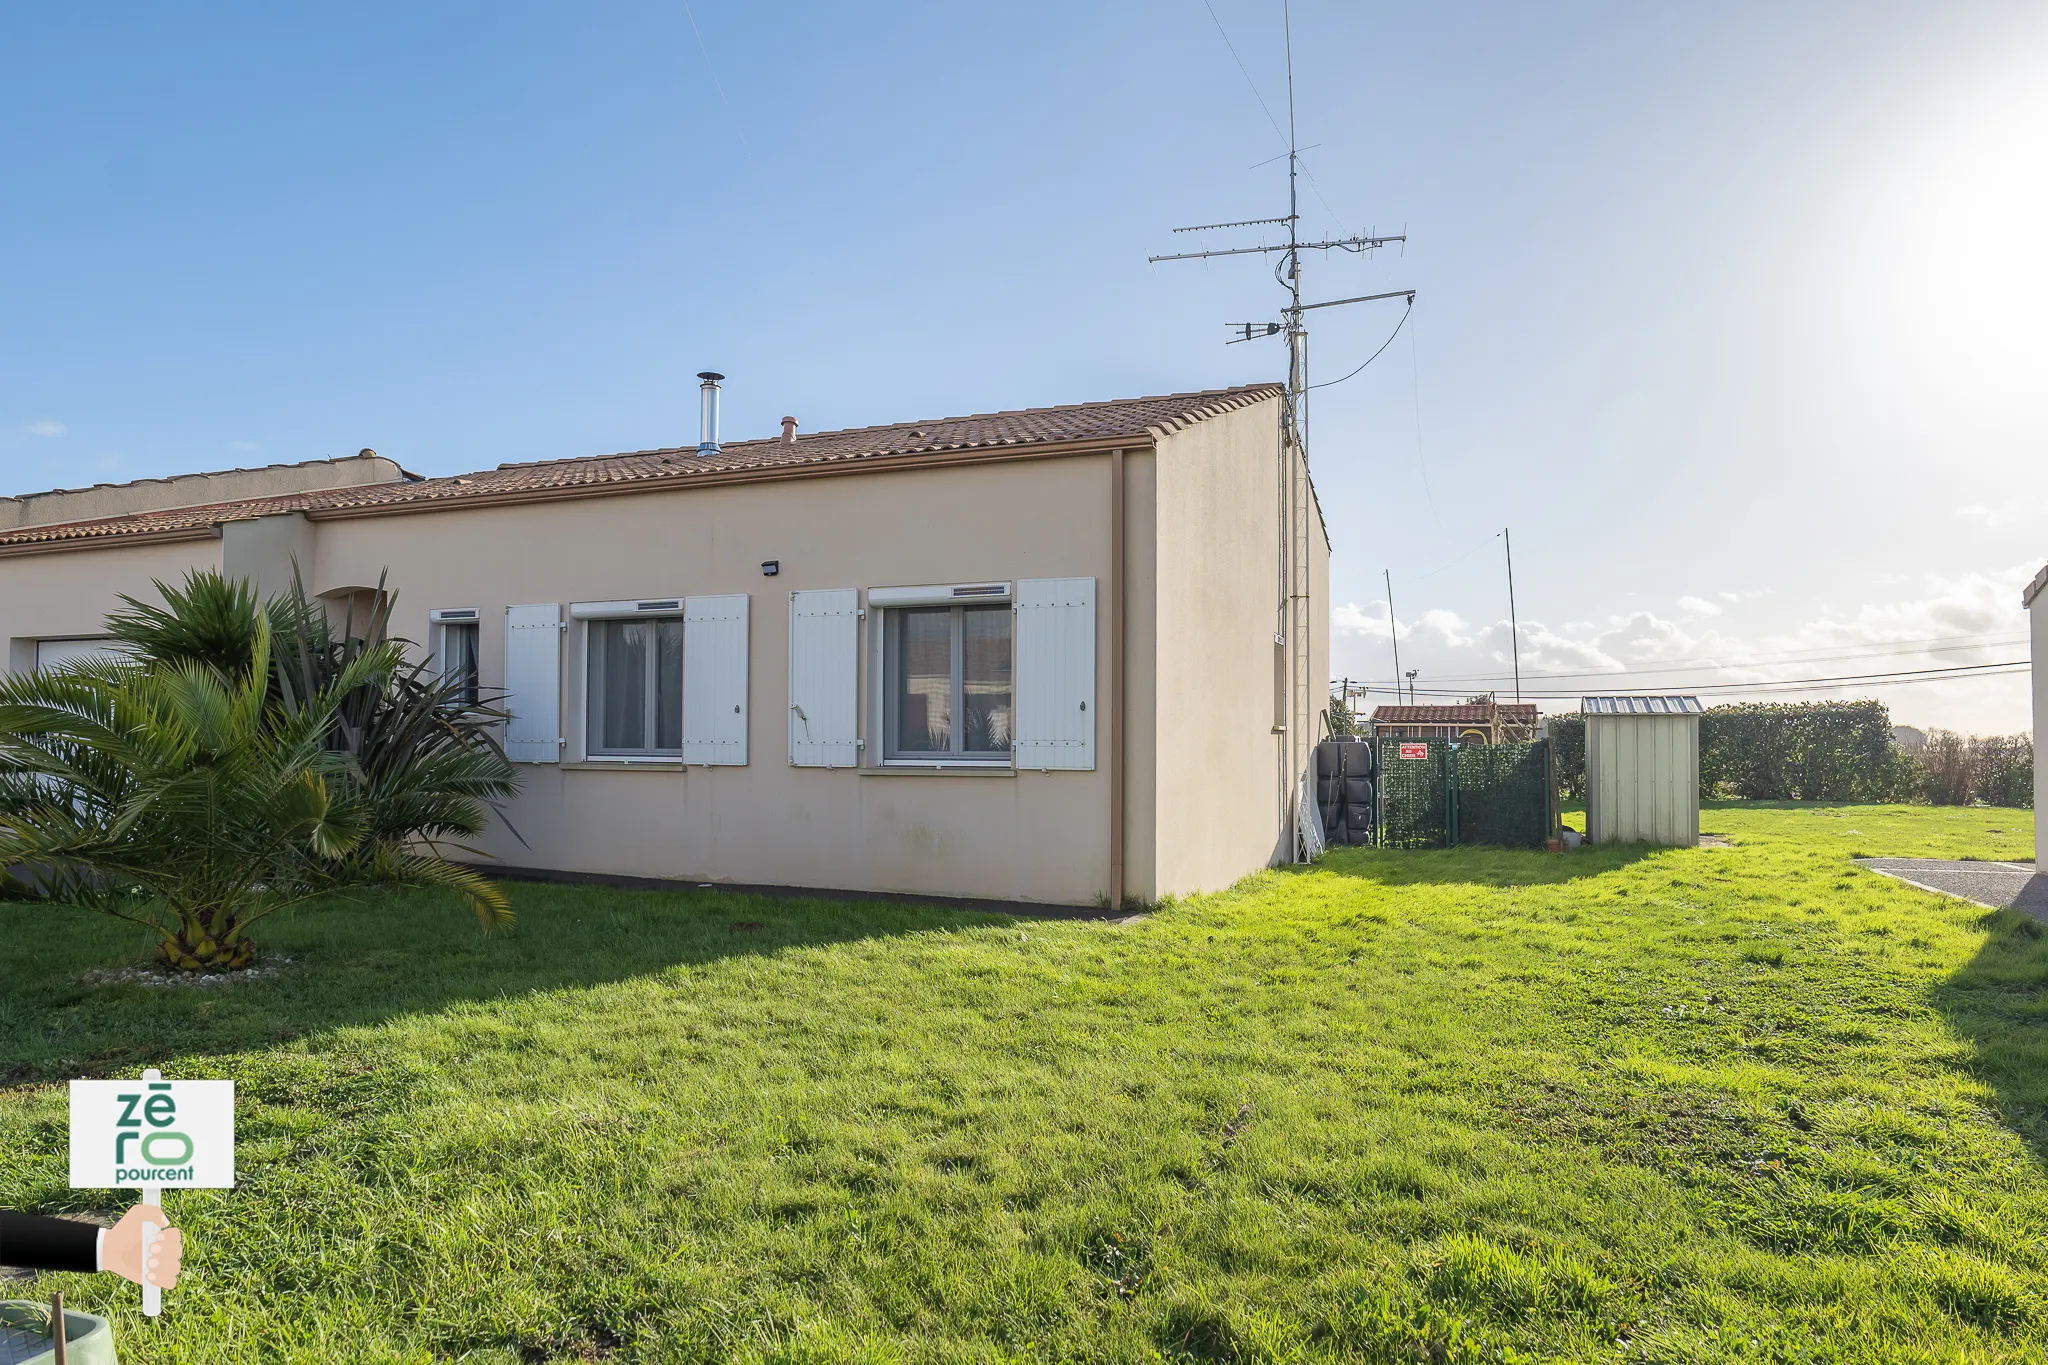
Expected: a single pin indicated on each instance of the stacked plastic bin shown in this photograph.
(1347, 792)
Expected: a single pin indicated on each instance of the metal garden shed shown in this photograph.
(1642, 769)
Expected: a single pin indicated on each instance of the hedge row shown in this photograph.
(1961, 770)
(1828, 751)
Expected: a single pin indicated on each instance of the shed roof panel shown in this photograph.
(1641, 706)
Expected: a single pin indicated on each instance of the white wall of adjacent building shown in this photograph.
(2037, 625)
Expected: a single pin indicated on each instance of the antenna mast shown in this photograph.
(1394, 632)
(1514, 626)
(1293, 629)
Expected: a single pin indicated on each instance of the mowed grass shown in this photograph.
(1679, 1105)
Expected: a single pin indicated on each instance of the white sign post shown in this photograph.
(150, 1135)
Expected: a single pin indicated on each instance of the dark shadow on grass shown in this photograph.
(1732, 804)
(363, 960)
(1475, 865)
(1999, 1001)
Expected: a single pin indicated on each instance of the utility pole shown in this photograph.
(1292, 630)
(1514, 626)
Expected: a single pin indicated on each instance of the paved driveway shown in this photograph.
(1994, 885)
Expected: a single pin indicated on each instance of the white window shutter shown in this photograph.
(715, 679)
(1055, 673)
(533, 682)
(824, 678)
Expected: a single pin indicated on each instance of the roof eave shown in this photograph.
(2033, 589)
(122, 540)
(869, 464)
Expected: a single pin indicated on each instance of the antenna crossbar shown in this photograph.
(1346, 243)
(1408, 294)
(1249, 222)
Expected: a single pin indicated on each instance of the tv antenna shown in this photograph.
(1287, 270)
(1293, 628)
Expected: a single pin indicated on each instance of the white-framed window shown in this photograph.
(457, 632)
(947, 681)
(56, 654)
(635, 687)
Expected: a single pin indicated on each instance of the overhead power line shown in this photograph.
(1702, 663)
(1900, 677)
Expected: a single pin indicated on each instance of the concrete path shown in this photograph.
(1995, 886)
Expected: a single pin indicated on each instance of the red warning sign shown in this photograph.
(1415, 751)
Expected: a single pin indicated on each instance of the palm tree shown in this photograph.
(243, 761)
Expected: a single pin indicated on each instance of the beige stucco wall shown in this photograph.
(68, 595)
(1319, 618)
(265, 551)
(1141, 676)
(1219, 772)
(1030, 837)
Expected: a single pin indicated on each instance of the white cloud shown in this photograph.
(1972, 604)
(1352, 619)
(45, 428)
(1642, 651)
(2002, 515)
(1699, 606)
(1447, 626)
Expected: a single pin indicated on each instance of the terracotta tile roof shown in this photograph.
(2033, 589)
(1131, 419)
(1461, 713)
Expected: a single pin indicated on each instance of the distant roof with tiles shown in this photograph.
(1053, 429)
(1460, 713)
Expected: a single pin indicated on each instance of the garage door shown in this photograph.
(58, 653)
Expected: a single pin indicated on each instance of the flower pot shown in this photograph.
(25, 1336)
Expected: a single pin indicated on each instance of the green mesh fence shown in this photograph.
(1504, 794)
(1415, 794)
(1468, 794)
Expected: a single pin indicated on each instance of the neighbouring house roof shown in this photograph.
(108, 501)
(1462, 713)
(2033, 589)
(1641, 706)
(1022, 433)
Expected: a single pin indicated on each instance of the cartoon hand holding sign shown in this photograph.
(150, 1134)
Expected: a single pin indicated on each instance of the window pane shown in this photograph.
(668, 685)
(623, 702)
(924, 698)
(985, 678)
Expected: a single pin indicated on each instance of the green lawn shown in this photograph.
(1702, 1104)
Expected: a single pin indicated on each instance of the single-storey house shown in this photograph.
(1485, 721)
(1062, 655)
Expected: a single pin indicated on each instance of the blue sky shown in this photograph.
(1731, 311)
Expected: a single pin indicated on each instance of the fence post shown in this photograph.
(1554, 823)
(1379, 792)
(1450, 795)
